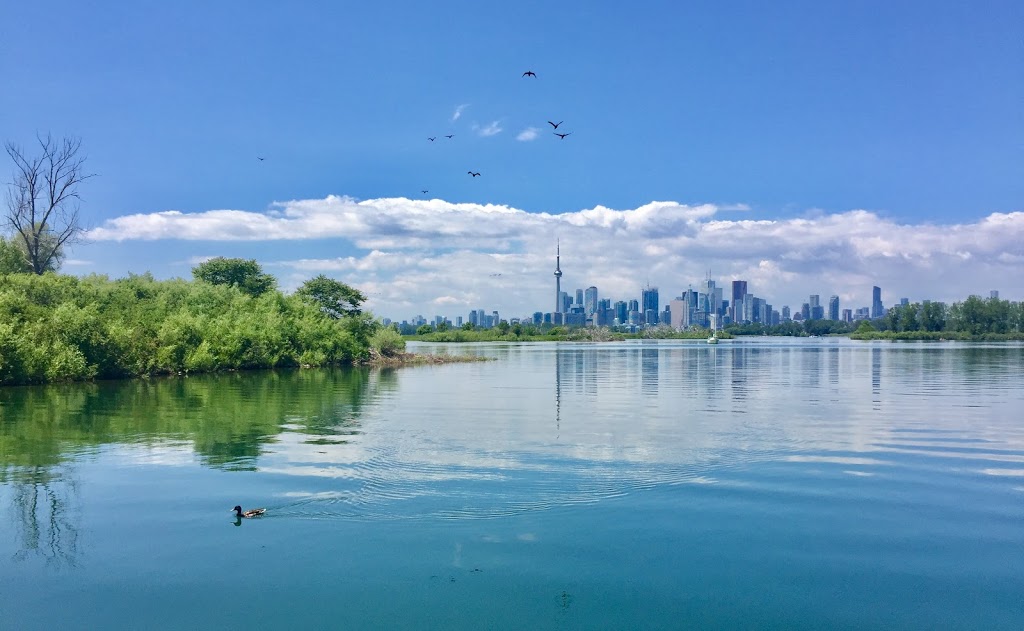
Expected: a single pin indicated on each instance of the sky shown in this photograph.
(805, 147)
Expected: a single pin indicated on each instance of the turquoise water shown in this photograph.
(759, 484)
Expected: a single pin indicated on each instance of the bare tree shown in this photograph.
(42, 201)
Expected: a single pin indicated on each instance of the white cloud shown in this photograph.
(491, 129)
(435, 257)
(530, 133)
(457, 114)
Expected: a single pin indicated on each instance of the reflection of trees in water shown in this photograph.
(44, 504)
(228, 418)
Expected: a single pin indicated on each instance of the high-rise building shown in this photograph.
(579, 296)
(877, 310)
(590, 301)
(558, 277)
(739, 290)
(815, 301)
(621, 309)
(785, 314)
(805, 311)
(994, 294)
(847, 315)
(649, 299)
(833, 307)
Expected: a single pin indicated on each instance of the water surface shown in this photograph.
(757, 484)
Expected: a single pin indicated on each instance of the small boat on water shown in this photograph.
(713, 338)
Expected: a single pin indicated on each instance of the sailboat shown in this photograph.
(713, 338)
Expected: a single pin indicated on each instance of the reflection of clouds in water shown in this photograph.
(564, 424)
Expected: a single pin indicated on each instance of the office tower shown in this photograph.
(590, 301)
(815, 301)
(739, 290)
(579, 296)
(877, 310)
(566, 303)
(833, 307)
(473, 319)
(634, 305)
(904, 302)
(805, 311)
(650, 317)
(785, 314)
(621, 311)
(847, 315)
(538, 317)
(558, 277)
(994, 294)
(747, 313)
(649, 299)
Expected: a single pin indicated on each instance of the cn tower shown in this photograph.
(558, 278)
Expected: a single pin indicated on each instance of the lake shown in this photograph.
(756, 484)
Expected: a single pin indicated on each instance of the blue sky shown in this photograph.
(779, 120)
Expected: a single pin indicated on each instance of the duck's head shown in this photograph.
(237, 509)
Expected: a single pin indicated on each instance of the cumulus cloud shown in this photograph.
(491, 129)
(528, 134)
(457, 114)
(435, 257)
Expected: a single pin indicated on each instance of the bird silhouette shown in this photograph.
(555, 125)
(424, 192)
(562, 136)
(473, 174)
(450, 136)
(432, 138)
(530, 73)
(260, 159)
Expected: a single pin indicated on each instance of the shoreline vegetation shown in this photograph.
(230, 317)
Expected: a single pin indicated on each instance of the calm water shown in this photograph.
(760, 484)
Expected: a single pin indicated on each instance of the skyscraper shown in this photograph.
(558, 277)
(590, 301)
(833, 307)
(649, 300)
(579, 296)
(877, 310)
(739, 289)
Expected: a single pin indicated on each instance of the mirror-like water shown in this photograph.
(757, 484)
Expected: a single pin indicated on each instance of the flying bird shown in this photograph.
(432, 138)
(562, 136)
(449, 137)
(495, 274)
(555, 125)
(260, 159)
(473, 174)
(530, 73)
(424, 192)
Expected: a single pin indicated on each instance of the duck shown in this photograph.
(252, 512)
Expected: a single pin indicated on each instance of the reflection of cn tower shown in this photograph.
(558, 278)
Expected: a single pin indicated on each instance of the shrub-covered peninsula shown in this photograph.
(231, 316)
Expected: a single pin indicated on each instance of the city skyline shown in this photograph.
(812, 148)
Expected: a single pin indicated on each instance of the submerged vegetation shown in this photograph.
(231, 317)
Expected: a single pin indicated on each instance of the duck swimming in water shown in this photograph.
(252, 512)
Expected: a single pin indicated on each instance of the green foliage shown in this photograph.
(387, 342)
(246, 275)
(335, 299)
(503, 327)
(12, 258)
(424, 329)
(974, 318)
(62, 328)
(468, 326)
